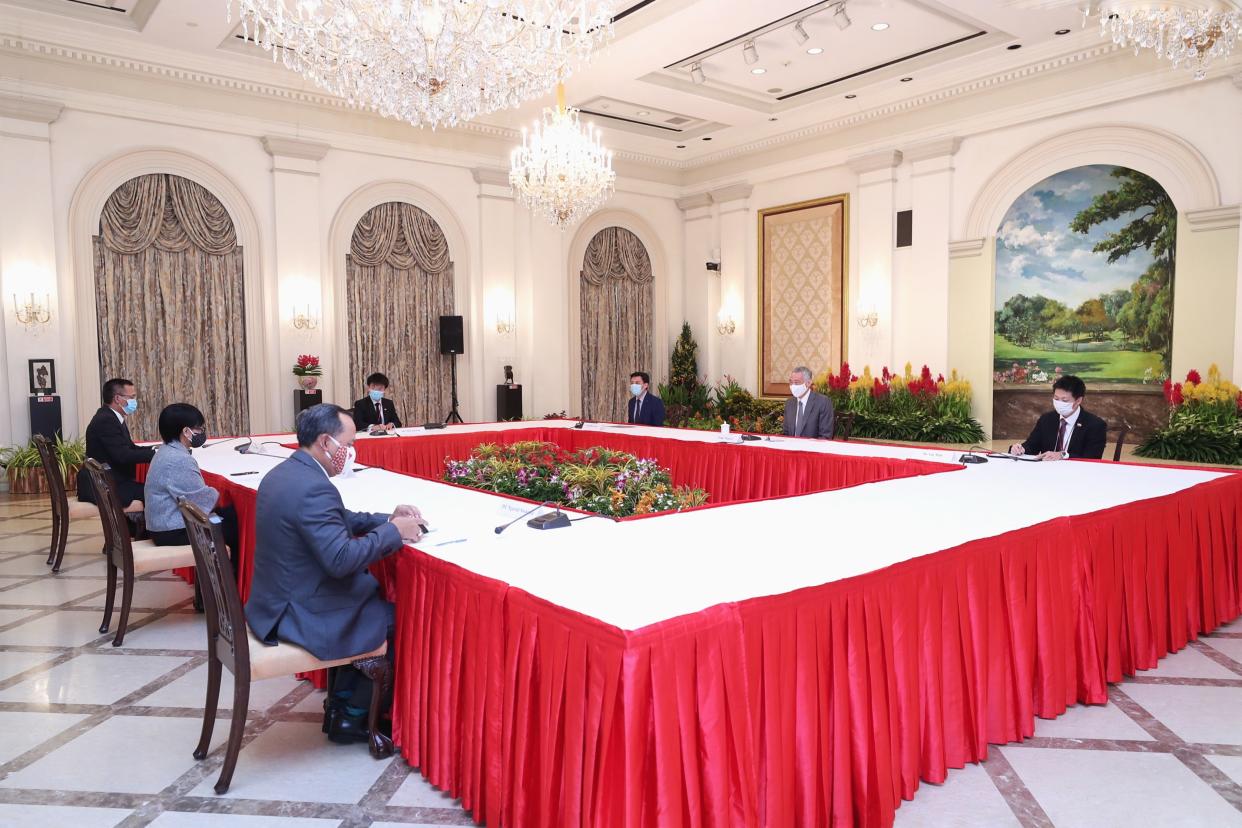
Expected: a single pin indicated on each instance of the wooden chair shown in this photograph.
(231, 644)
(64, 508)
(129, 557)
(844, 426)
(1121, 440)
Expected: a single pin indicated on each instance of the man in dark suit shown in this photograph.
(109, 442)
(807, 414)
(311, 586)
(1069, 431)
(644, 407)
(375, 411)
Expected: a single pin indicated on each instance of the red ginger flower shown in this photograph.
(1193, 376)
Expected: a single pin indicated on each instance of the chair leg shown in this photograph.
(241, 701)
(127, 598)
(214, 670)
(109, 598)
(61, 542)
(379, 671)
(51, 550)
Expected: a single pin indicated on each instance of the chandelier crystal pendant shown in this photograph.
(1182, 32)
(561, 170)
(430, 62)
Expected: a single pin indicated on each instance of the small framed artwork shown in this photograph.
(42, 376)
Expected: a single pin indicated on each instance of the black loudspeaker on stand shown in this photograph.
(452, 342)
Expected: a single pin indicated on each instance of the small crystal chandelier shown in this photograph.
(561, 170)
(429, 62)
(1179, 31)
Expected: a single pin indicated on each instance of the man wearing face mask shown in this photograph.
(375, 411)
(108, 441)
(644, 407)
(311, 586)
(1068, 431)
(807, 414)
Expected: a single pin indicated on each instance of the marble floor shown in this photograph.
(92, 735)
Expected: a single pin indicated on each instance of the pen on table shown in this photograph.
(239, 474)
(447, 542)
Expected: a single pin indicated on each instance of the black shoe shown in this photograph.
(332, 710)
(345, 729)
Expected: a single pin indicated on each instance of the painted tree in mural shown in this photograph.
(1146, 315)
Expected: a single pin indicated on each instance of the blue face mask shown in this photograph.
(636, 389)
(376, 396)
(131, 406)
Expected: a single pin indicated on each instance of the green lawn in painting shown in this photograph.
(1098, 361)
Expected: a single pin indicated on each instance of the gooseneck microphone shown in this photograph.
(244, 448)
(500, 529)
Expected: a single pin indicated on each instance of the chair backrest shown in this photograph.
(1121, 440)
(844, 426)
(55, 477)
(226, 621)
(115, 524)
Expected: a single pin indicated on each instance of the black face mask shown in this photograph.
(198, 439)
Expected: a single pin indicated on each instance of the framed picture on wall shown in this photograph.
(42, 376)
(803, 251)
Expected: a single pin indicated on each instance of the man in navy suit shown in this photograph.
(644, 408)
(1069, 431)
(311, 586)
(108, 441)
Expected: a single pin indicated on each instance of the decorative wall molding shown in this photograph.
(874, 161)
(277, 145)
(935, 148)
(967, 248)
(731, 192)
(36, 110)
(1179, 167)
(1214, 218)
(693, 202)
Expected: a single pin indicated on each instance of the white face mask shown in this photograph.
(797, 390)
(636, 389)
(1063, 408)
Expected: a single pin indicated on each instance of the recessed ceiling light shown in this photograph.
(850, 97)
(643, 112)
(1014, 46)
(878, 27)
(1059, 32)
(771, 119)
(708, 138)
(758, 70)
(906, 80)
(814, 50)
(775, 90)
(681, 146)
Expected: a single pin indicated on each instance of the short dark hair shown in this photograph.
(1072, 384)
(176, 417)
(111, 388)
(324, 418)
(377, 379)
(643, 375)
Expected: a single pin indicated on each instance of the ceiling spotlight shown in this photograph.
(696, 73)
(841, 18)
(1014, 46)
(771, 119)
(748, 52)
(681, 146)
(850, 97)
(878, 27)
(1059, 32)
(758, 70)
(906, 80)
(800, 34)
(814, 50)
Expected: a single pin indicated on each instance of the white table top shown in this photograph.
(636, 573)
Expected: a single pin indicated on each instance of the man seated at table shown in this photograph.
(375, 411)
(807, 413)
(644, 407)
(108, 441)
(311, 586)
(1068, 431)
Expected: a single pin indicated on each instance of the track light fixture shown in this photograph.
(748, 52)
(800, 34)
(841, 18)
(696, 73)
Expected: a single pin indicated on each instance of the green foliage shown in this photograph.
(685, 396)
(20, 460)
(1197, 436)
(684, 362)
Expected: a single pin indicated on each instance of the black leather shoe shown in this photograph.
(346, 730)
(332, 710)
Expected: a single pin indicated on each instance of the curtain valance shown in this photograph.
(168, 212)
(401, 236)
(616, 253)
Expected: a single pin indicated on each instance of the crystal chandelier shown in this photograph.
(561, 170)
(1178, 31)
(429, 62)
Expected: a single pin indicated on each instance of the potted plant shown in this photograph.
(24, 470)
(308, 371)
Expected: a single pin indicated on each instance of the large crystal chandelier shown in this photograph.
(1183, 32)
(561, 170)
(430, 62)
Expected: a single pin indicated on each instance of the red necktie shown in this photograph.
(1061, 437)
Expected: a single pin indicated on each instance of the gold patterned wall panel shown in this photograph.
(802, 256)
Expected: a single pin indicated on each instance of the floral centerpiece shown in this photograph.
(308, 371)
(1205, 421)
(596, 479)
(904, 406)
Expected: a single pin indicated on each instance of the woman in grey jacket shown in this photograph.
(174, 475)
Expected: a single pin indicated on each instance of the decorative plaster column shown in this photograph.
(503, 282)
(873, 290)
(701, 295)
(1207, 296)
(738, 288)
(972, 286)
(921, 294)
(303, 285)
(28, 264)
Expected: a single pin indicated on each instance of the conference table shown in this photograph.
(841, 622)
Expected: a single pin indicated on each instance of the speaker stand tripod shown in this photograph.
(454, 416)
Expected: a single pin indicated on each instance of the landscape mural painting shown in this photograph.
(1084, 280)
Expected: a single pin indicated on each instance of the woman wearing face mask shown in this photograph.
(174, 475)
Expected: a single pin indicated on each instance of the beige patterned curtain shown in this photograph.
(617, 320)
(170, 300)
(399, 282)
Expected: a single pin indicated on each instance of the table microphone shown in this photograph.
(244, 448)
(500, 529)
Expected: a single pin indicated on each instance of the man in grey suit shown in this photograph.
(311, 586)
(807, 414)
